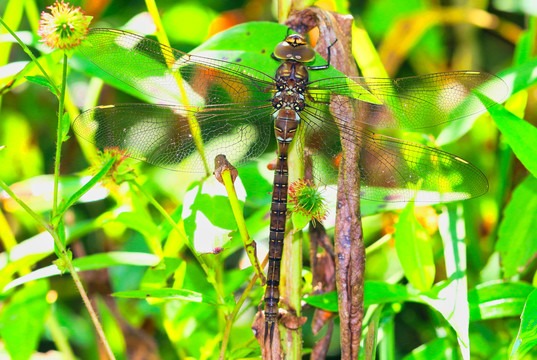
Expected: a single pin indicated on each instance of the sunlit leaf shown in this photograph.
(519, 134)
(207, 214)
(22, 319)
(90, 262)
(517, 242)
(40, 80)
(166, 294)
(498, 299)
(37, 192)
(375, 292)
(414, 250)
(438, 349)
(527, 334)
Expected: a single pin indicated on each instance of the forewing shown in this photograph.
(412, 102)
(163, 135)
(171, 76)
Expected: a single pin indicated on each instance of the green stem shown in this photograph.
(249, 244)
(34, 59)
(68, 262)
(236, 309)
(59, 137)
(84, 189)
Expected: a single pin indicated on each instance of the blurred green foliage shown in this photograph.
(454, 280)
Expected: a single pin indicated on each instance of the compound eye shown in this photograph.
(300, 90)
(281, 87)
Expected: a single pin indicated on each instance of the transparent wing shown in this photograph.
(412, 102)
(162, 134)
(389, 169)
(171, 76)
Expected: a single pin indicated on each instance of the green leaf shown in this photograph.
(300, 220)
(517, 242)
(138, 222)
(22, 320)
(375, 292)
(40, 80)
(414, 250)
(166, 294)
(208, 217)
(251, 44)
(519, 134)
(526, 43)
(41, 200)
(433, 350)
(157, 276)
(498, 299)
(91, 262)
(520, 77)
(527, 334)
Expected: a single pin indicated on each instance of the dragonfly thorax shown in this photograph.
(291, 81)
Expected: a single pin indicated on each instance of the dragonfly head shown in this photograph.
(294, 47)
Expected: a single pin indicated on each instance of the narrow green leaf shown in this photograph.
(40, 80)
(414, 250)
(138, 222)
(22, 320)
(526, 43)
(87, 186)
(517, 242)
(91, 262)
(519, 134)
(69, 188)
(527, 334)
(166, 294)
(375, 292)
(157, 276)
(438, 349)
(498, 299)
(104, 260)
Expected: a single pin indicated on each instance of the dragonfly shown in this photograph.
(208, 106)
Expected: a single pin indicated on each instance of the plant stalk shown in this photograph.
(59, 137)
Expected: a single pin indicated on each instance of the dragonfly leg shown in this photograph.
(322, 67)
